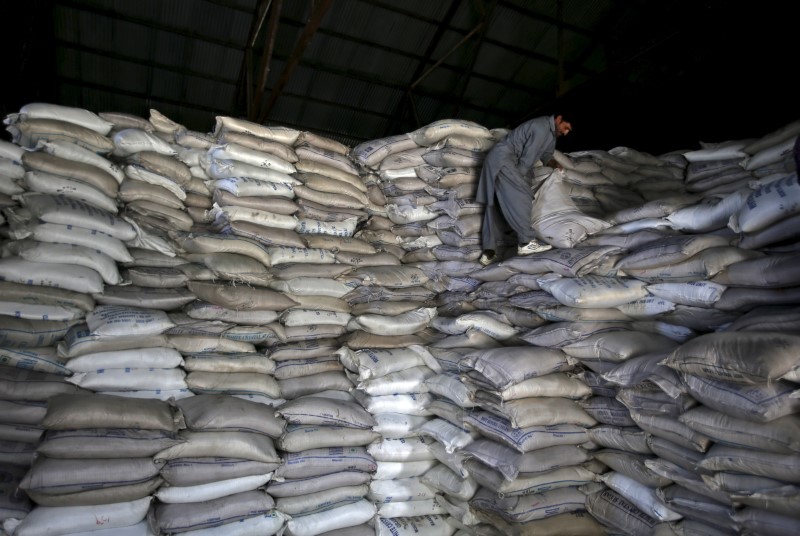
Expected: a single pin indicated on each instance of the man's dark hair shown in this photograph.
(566, 115)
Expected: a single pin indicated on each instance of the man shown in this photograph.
(505, 186)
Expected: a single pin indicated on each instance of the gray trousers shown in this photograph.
(512, 206)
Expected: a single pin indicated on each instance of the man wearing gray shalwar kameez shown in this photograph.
(505, 186)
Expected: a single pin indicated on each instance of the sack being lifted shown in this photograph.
(562, 212)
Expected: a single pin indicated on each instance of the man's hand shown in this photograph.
(554, 164)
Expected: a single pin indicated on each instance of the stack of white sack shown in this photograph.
(363, 294)
(389, 382)
(95, 463)
(59, 196)
(66, 232)
(324, 479)
(156, 182)
(428, 179)
(250, 169)
(382, 357)
(30, 376)
(12, 175)
(715, 264)
(532, 453)
(215, 478)
(123, 350)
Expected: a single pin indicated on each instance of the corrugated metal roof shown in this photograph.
(373, 68)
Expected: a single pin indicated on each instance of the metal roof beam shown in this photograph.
(555, 21)
(247, 68)
(522, 51)
(302, 42)
(426, 58)
(254, 104)
(464, 80)
(503, 3)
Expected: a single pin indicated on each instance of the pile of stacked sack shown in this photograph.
(261, 330)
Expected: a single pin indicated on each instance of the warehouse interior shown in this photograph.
(657, 76)
(261, 272)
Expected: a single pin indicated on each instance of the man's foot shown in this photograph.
(534, 246)
(487, 257)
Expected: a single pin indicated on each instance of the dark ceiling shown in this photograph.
(652, 75)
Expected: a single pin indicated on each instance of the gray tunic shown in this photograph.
(505, 184)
